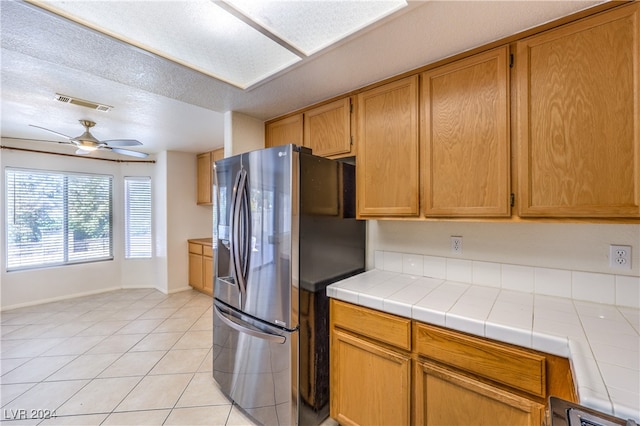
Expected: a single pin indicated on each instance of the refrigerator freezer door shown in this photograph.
(256, 366)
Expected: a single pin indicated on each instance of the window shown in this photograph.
(137, 217)
(56, 218)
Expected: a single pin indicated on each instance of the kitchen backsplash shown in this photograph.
(588, 286)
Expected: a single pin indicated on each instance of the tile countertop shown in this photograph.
(601, 341)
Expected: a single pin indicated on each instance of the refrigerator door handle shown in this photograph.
(243, 327)
(245, 230)
(236, 232)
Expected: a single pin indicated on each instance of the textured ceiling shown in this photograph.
(170, 107)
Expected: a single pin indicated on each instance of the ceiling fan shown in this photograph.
(86, 143)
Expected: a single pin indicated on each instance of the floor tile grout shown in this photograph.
(184, 314)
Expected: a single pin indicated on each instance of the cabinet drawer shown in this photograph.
(376, 325)
(207, 251)
(516, 368)
(195, 248)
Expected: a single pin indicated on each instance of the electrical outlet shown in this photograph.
(619, 257)
(456, 244)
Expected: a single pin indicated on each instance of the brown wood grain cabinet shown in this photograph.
(578, 103)
(204, 180)
(205, 175)
(201, 265)
(465, 136)
(369, 376)
(388, 152)
(284, 131)
(327, 129)
(546, 125)
(445, 397)
(386, 369)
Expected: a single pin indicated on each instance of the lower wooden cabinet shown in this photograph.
(437, 377)
(201, 267)
(369, 382)
(444, 397)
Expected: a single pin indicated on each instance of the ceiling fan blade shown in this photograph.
(129, 152)
(122, 142)
(52, 131)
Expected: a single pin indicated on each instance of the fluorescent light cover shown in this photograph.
(313, 25)
(241, 42)
(195, 33)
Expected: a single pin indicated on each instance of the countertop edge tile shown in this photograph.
(397, 308)
(428, 315)
(508, 334)
(555, 345)
(464, 324)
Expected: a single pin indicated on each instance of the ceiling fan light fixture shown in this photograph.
(87, 145)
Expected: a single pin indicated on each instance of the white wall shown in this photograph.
(574, 246)
(176, 218)
(160, 222)
(185, 219)
(242, 133)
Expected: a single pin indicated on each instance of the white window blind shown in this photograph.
(137, 205)
(55, 218)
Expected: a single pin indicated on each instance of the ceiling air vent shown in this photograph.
(88, 104)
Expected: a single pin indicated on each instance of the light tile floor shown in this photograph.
(127, 357)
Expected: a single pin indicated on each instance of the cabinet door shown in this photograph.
(444, 397)
(207, 269)
(285, 131)
(327, 129)
(387, 160)
(204, 180)
(369, 383)
(195, 271)
(216, 155)
(465, 134)
(207, 275)
(577, 118)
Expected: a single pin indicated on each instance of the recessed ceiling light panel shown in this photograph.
(241, 42)
(314, 25)
(195, 33)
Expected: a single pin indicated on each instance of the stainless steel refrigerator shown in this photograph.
(284, 228)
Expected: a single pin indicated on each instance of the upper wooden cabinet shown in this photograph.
(327, 129)
(559, 130)
(205, 175)
(465, 135)
(216, 155)
(578, 100)
(285, 131)
(204, 178)
(387, 160)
